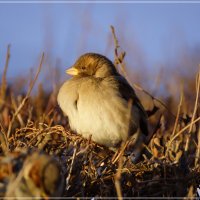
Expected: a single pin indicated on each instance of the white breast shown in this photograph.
(95, 110)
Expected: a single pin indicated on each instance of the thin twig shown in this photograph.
(122, 67)
(198, 134)
(118, 58)
(3, 140)
(182, 130)
(196, 100)
(117, 156)
(15, 107)
(115, 38)
(71, 166)
(195, 109)
(26, 97)
(198, 149)
(4, 83)
(118, 177)
(178, 113)
(3, 143)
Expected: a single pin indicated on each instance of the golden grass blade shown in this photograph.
(4, 82)
(195, 109)
(26, 97)
(182, 130)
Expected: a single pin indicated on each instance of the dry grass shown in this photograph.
(170, 166)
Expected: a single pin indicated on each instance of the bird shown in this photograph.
(100, 104)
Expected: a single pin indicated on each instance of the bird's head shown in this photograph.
(92, 64)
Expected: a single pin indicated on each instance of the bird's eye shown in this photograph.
(83, 68)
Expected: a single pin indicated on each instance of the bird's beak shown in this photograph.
(72, 71)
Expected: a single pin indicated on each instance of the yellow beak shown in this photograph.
(72, 71)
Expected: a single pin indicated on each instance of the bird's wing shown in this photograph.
(128, 94)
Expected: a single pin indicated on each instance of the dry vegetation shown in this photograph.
(33, 127)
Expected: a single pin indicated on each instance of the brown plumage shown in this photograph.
(100, 102)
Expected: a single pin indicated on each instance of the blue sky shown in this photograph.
(152, 34)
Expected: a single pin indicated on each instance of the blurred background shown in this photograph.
(161, 40)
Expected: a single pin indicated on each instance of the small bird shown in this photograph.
(100, 103)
